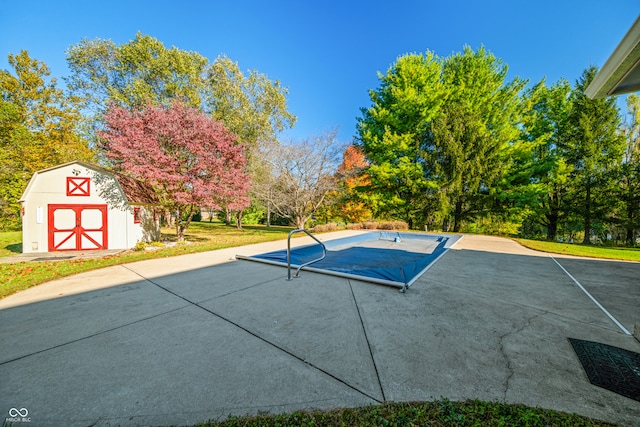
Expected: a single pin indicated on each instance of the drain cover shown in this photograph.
(613, 368)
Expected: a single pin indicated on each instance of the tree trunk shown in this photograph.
(552, 225)
(239, 219)
(300, 222)
(169, 218)
(179, 230)
(630, 238)
(268, 216)
(181, 227)
(457, 217)
(632, 208)
(553, 216)
(587, 215)
(552, 228)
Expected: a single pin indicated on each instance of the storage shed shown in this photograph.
(81, 206)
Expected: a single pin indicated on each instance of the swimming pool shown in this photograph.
(388, 258)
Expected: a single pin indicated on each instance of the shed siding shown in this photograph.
(51, 187)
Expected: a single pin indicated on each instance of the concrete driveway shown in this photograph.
(186, 339)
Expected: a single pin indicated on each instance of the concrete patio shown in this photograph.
(186, 339)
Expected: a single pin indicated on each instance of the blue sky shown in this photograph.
(328, 53)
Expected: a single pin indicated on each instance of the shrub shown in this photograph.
(370, 225)
(324, 228)
(140, 246)
(393, 225)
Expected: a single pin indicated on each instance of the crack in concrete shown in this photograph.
(507, 358)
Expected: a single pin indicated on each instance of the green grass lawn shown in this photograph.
(440, 413)
(591, 251)
(10, 243)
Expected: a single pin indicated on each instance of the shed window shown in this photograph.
(136, 215)
(77, 186)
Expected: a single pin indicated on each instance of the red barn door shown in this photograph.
(77, 227)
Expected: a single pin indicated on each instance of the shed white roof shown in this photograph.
(135, 191)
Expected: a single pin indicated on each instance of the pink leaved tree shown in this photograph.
(191, 159)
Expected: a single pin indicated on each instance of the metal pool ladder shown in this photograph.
(302, 230)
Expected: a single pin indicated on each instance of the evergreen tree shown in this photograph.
(438, 134)
(476, 133)
(593, 147)
(540, 180)
(467, 162)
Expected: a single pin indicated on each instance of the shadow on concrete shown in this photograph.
(238, 338)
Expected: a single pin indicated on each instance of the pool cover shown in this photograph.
(389, 258)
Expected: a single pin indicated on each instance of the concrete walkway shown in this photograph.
(186, 339)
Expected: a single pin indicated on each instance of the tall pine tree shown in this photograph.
(593, 147)
(542, 178)
(476, 133)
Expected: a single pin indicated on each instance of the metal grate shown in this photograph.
(612, 368)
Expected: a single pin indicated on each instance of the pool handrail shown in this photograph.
(302, 230)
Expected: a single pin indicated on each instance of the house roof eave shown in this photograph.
(621, 73)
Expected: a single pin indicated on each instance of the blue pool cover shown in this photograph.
(390, 258)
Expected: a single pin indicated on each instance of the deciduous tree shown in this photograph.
(392, 134)
(251, 106)
(353, 181)
(628, 189)
(39, 128)
(135, 73)
(300, 176)
(143, 70)
(190, 159)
